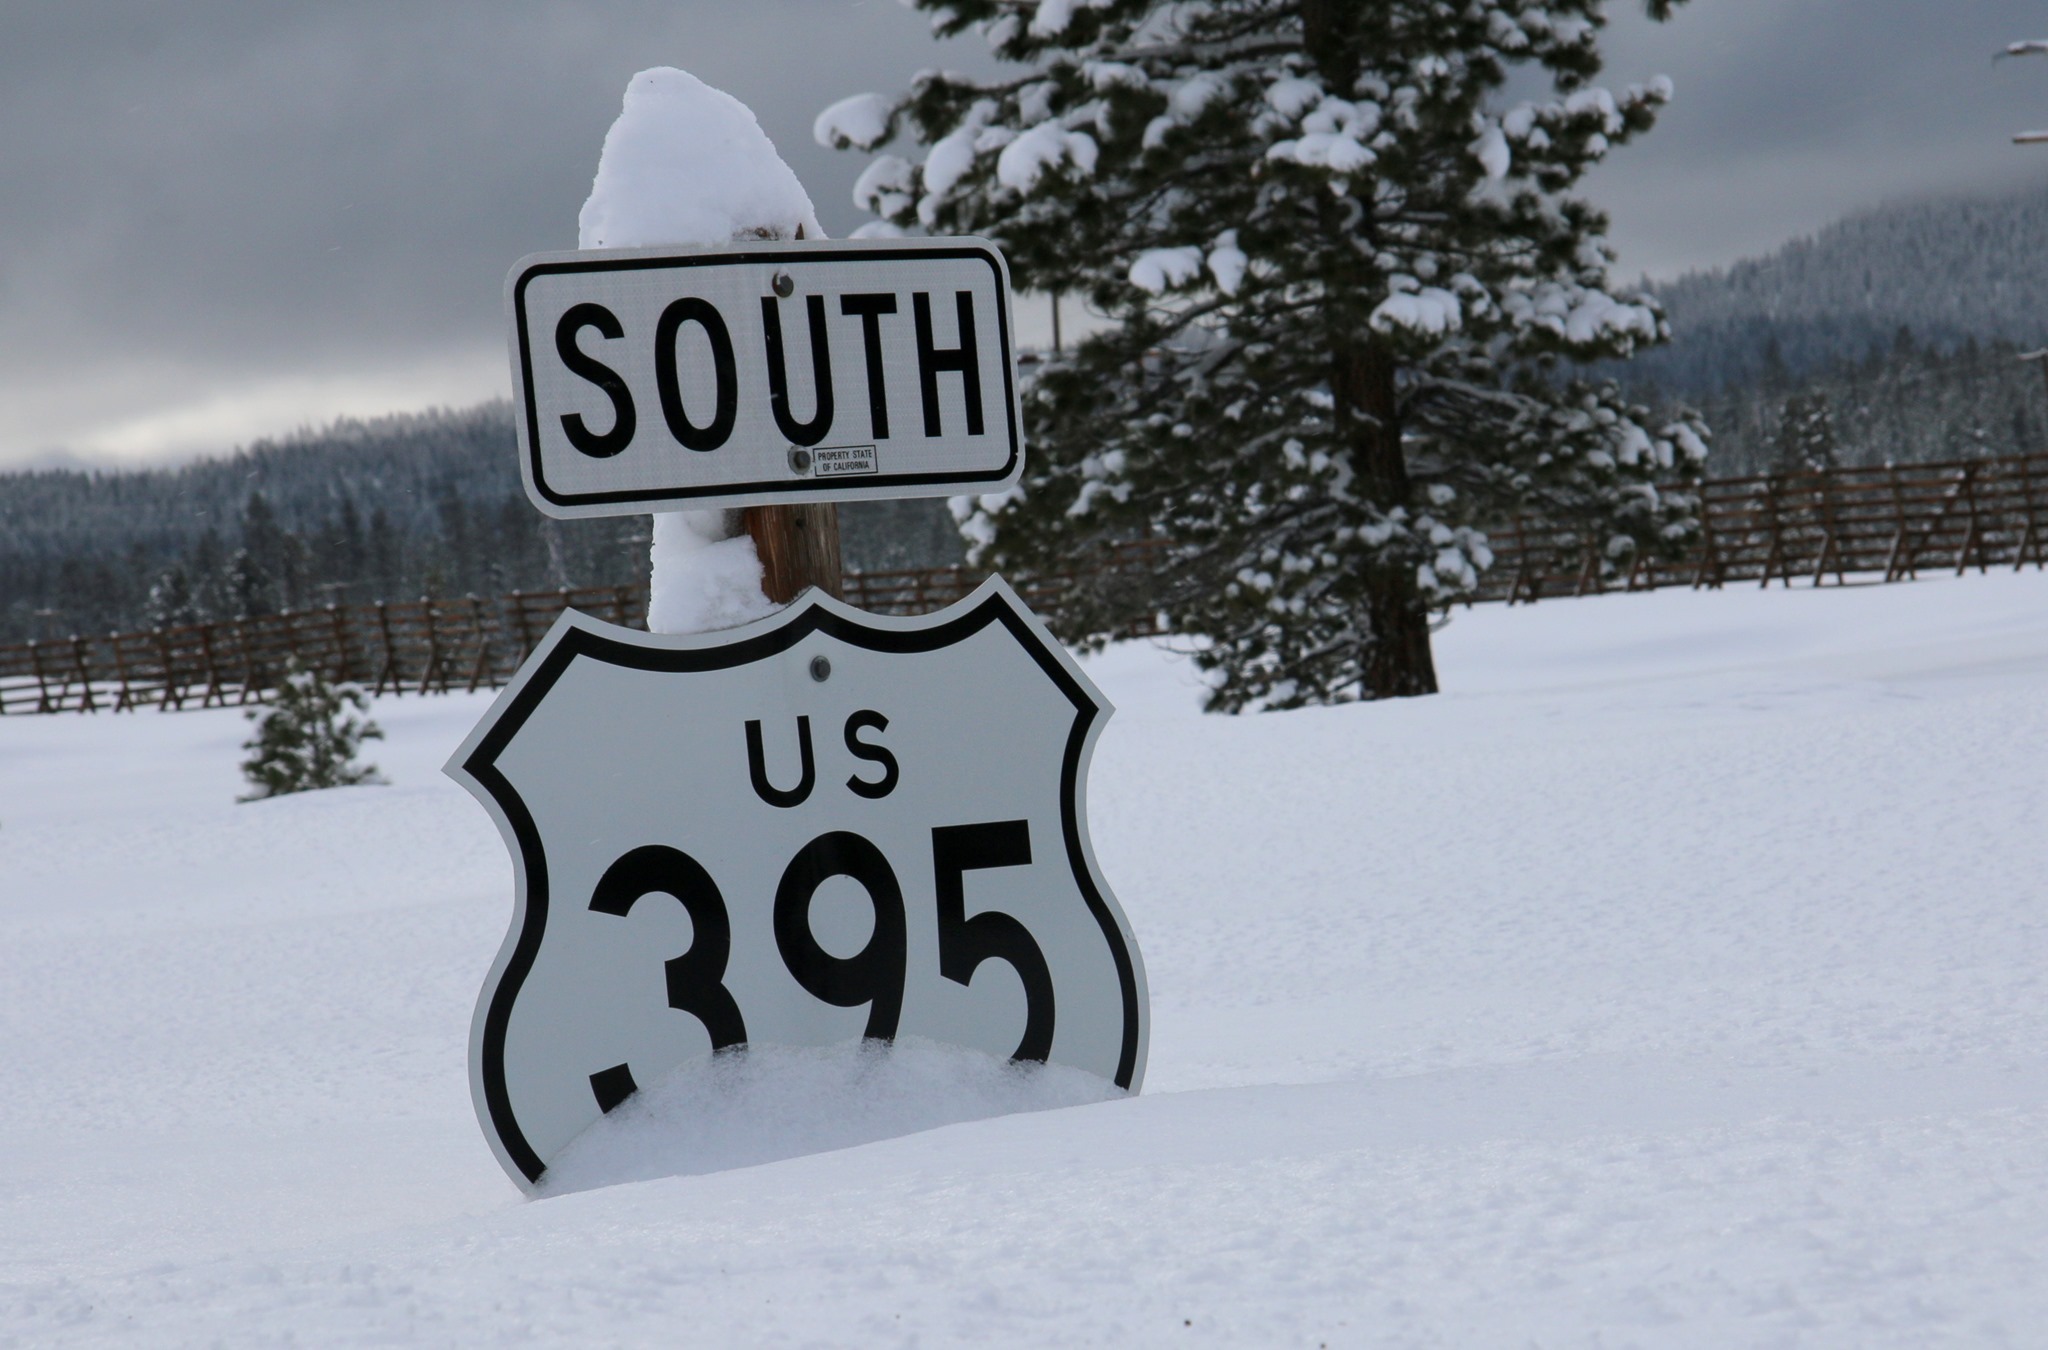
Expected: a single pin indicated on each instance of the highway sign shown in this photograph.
(660, 379)
(822, 827)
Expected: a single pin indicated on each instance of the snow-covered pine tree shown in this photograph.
(1806, 434)
(1347, 283)
(171, 603)
(309, 737)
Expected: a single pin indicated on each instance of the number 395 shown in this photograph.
(875, 974)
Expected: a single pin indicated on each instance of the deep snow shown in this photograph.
(1676, 980)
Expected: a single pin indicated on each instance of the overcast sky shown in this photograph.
(223, 219)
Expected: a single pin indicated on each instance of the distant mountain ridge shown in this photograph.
(1949, 269)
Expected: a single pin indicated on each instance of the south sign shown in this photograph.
(822, 828)
(823, 371)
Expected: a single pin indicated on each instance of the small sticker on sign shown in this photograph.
(842, 461)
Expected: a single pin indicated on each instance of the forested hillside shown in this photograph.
(1949, 270)
(1909, 404)
(395, 508)
(1893, 336)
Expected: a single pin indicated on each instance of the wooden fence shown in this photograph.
(1885, 524)
(1878, 524)
(418, 646)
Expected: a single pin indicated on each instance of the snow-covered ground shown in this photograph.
(1675, 980)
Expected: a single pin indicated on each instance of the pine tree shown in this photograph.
(1348, 289)
(1776, 376)
(1806, 434)
(308, 737)
(342, 555)
(212, 574)
(171, 601)
(268, 571)
(386, 562)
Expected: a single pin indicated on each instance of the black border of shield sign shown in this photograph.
(577, 635)
(819, 252)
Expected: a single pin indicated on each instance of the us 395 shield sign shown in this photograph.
(824, 826)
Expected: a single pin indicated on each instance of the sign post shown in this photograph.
(824, 826)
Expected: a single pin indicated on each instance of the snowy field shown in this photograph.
(1675, 980)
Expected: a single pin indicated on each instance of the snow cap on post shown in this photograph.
(688, 164)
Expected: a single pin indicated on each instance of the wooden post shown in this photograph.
(2031, 537)
(1899, 561)
(173, 697)
(1972, 537)
(480, 669)
(799, 548)
(798, 545)
(434, 666)
(335, 622)
(1589, 571)
(521, 633)
(78, 661)
(389, 667)
(215, 689)
(250, 684)
(35, 661)
(1776, 554)
(1521, 562)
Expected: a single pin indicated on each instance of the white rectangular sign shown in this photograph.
(659, 379)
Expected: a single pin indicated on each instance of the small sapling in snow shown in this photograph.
(309, 737)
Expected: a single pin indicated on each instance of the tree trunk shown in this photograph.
(1330, 36)
(1396, 661)
(798, 547)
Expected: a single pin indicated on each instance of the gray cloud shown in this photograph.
(223, 217)
(221, 193)
(1792, 113)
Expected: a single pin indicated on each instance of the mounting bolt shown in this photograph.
(821, 669)
(783, 285)
(799, 462)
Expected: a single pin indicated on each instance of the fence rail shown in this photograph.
(417, 646)
(1886, 524)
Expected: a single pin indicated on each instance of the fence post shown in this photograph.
(1710, 548)
(35, 662)
(1899, 564)
(1589, 570)
(434, 663)
(1972, 538)
(1521, 564)
(480, 668)
(337, 629)
(91, 703)
(388, 667)
(1830, 547)
(214, 688)
(240, 629)
(521, 628)
(2031, 537)
(172, 698)
(1773, 509)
